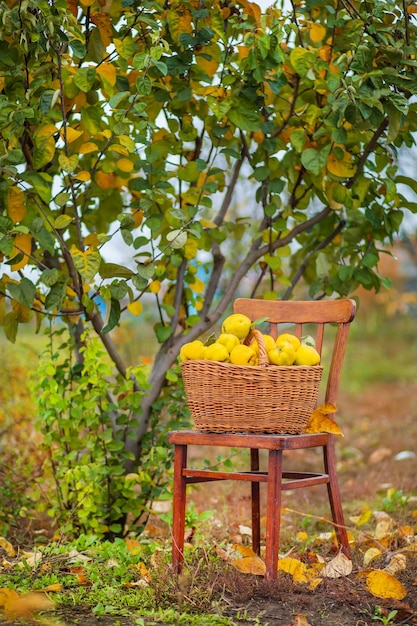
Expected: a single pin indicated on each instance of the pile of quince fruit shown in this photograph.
(229, 347)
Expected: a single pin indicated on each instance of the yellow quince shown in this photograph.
(284, 354)
(288, 337)
(237, 324)
(216, 352)
(307, 355)
(228, 340)
(269, 344)
(192, 351)
(243, 355)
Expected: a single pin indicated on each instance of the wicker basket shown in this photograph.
(251, 399)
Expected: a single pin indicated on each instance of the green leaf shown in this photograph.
(114, 316)
(24, 292)
(113, 270)
(10, 326)
(55, 297)
(84, 78)
(62, 221)
(163, 332)
(314, 160)
(177, 238)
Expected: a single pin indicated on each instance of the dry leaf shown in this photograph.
(7, 547)
(250, 565)
(370, 555)
(397, 563)
(16, 606)
(363, 518)
(383, 528)
(383, 585)
(300, 620)
(319, 421)
(337, 567)
(243, 550)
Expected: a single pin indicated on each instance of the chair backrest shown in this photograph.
(316, 314)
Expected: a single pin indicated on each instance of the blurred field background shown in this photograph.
(378, 408)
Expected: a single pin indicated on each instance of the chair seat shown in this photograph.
(248, 440)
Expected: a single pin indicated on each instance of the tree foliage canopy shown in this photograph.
(211, 142)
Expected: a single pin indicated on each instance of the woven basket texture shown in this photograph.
(223, 397)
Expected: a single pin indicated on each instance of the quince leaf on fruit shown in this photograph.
(319, 421)
(210, 339)
(261, 320)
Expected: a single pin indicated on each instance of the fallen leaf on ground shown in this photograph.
(397, 563)
(250, 565)
(383, 585)
(337, 567)
(7, 547)
(370, 555)
(15, 606)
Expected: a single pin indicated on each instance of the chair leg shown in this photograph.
(256, 511)
(179, 502)
(335, 500)
(273, 514)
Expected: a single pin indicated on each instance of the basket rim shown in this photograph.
(265, 367)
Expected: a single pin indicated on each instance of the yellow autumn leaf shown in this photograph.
(250, 565)
(243, 550)
(383, 585)
(412, 8)
(88, 147)
(295, 568)
(155, 286)
(87, 262)
(44, 133)
(343, 168)
(83, 176)
(135, 308)
(7, 547)
(125, 165)
(87, 3)
(71, 134)
(363, 518)
(243, 52)
(197, 285)
(16, 204)
(108, 72)
(317, 32)
(127, 142)
(253, 9)
(119, 149)
(26, 606)
(22, 244)
(106, 181)
(370, 555)
(179, 22)
(104, 25)
(319, 421)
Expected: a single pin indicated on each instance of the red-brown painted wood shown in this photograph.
(335, 312)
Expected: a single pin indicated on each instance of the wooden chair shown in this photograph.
(335, 313)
